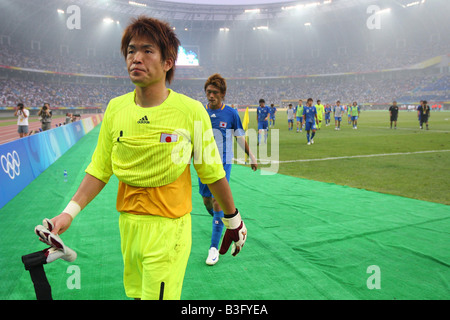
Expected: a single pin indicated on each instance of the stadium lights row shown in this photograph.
(304, 6)
(384, 11)
(300, 6)
(412, 4)
(307, 24)
(105, 20)
(109, 20)
(138, 4)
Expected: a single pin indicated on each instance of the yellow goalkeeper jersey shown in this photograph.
(150, 151)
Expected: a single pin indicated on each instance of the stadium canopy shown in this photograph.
(229, 2)
(218, 10)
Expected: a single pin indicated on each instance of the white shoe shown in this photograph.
(312, 141)
(213, 256)
(309, 143)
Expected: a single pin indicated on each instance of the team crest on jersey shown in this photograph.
(222, 124)
(167, 138)
(143, 120)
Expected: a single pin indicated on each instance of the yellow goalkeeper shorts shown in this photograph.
(155, 253)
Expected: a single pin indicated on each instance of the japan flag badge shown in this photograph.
(167, 137)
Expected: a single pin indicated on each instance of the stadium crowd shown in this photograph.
(277, 80)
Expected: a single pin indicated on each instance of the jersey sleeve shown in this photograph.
(100, 166)
(237, 125)
(206, 156)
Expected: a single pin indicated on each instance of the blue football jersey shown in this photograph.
(226, 123)
(262, 113)
(309, 113)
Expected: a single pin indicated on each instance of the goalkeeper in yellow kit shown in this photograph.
(147, 139)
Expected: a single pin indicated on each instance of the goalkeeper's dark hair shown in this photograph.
(157, 31)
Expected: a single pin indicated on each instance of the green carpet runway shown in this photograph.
(306, 240)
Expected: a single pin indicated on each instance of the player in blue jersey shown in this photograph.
(226, 123)
(262, 116)
(338, 111)
(327, 115)
(310, 119)
(273, 111)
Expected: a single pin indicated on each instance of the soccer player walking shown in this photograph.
(310, 119)
(320, 111)
(355, 111)
(290, 117)
(147, 140)
(338, 111)
(226, 123)
(327, 115)
(299, 115)
(262, 116)
(273, 111)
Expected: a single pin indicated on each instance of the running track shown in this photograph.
(9, 133)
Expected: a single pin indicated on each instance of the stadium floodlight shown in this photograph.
(312, 4)
(411, 4)
(297, 7)
(308, 24)
(261, 28)
(60, 11)
(387, 10)
(108, 20)
(327, 1)
(138, 4)
(224, 29)
(252, 10)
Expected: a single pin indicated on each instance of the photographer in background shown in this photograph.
(45, 115)
(68, 118)
(22, 120)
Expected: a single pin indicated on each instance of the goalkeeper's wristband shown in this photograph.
(72, 209)
(229, 216)
(232, 221)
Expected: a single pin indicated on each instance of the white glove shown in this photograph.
(57, 247)
(236, 234)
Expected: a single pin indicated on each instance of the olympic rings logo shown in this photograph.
(11, 164)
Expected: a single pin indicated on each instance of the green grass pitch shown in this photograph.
(373, 157)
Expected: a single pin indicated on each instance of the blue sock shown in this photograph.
(313, 134)
(307, 136)
(217, 227)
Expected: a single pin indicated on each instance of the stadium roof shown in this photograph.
(217, 10)
(230, 2)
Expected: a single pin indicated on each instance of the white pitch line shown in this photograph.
(350, 157)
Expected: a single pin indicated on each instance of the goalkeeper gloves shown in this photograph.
(236, 233)
(57, 247)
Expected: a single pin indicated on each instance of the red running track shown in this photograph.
(9, 133)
